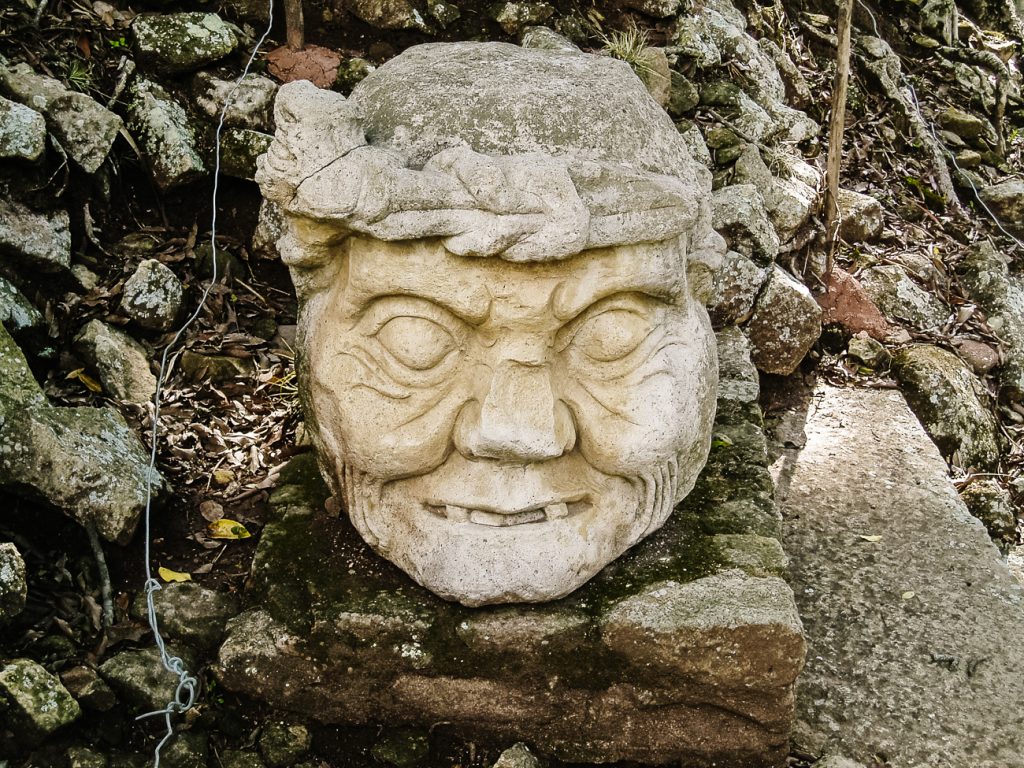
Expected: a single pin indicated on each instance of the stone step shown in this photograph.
(913, 622)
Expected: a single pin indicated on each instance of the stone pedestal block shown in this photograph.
(684, 649)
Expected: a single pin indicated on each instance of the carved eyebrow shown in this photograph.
(472, 309)
(567, 307)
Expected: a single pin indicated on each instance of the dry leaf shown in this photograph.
(168, 575)
(90, 383)
(227, 529)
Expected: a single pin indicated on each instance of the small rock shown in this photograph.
(901, 299)
(86, 130)
(939, 18)
(188, 749)
(83, 757)
(165, 135)
(281, 744)
(444, 13)
(84, 278)
(152, 296)
(252, 101)
(40, 241)
(990, 503)
(1006, 201)
(239, 148)
(545, 38)
(683, 95)
(18, 315)
(693, 41)
(181, 42)
(214, 368)
(860, 217)
(315, 63)
(236, 759)
(388, 14)
(351, 72)
(836, 761)
(968, 158)
(847, 303)
(738, 283)
(653, 69)
(790, 205)
(950, 403)
(88, 688)
(190, 613)
(13, 587)
(402, 748)
(659, 9)
(121, 364)
(515, 15)
(22, 132)
(269, 229)
(785, 324)
(869, 352)
(36, 701)
(967, 126)
(695, 144)
(980, 356)
(139, 678)
(749, 117)
(517, 756)
(739, 214)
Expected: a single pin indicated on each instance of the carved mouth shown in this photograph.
(497, 518)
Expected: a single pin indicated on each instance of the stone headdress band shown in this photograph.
(327, 178)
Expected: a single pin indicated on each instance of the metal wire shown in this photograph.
(186, 691)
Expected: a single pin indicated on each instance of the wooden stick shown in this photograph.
(837, 122)
(294, 25)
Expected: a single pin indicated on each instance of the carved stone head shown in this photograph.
(504, 357)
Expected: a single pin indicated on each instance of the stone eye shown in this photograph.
(416, 342)
(611, 335)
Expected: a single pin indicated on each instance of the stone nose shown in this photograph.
(519, 420)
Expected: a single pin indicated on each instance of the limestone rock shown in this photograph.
(20, 317)
(83, 757)
(85, 129)
(659, 9)
(901, 300)
(940, 19)
(121, 364)
(181, 42)
(189, 749)
(683, 95)
(239, 149)
(281, 744)
(88, 688)
(788, 201)
(750, 118)
(192, 614)
(980, 356)
(950, 403)
(990, 503)
(235, 759)
(444, 13)
(694, 142)
(165, 135)
(139, 678)
(152, 296)
(515, 15)
(869, 352)
(35, 700)
(13, 587)
(785, 324)
(22, 132)
(353, 71)
(1006, 200)
(40, 241)
(739, 214)
(547, 39)
(860, 217)
(252, 101)
(654, 71)
(913, 648)
(387, 14)
(738, 283)
(967, 126)
(269, 229)
(517, 756)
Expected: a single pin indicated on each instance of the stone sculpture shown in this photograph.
(500, 256)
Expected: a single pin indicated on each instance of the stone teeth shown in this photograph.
(456, 514)
(556, 511)
(499, 520)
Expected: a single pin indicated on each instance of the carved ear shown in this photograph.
(314, 253)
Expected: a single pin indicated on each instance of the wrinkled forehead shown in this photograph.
(468, 285)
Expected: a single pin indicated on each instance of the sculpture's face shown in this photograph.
(502, 431)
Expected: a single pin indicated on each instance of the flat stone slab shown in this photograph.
(913, 622)
(685, 649)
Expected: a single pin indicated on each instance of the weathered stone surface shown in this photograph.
(85, 129)
(139, 678)
(252, 101)
(901, 299)
(516, 15)
(214, 368)
(785, 324)
(990, 503)
(235, 759)
(281, 744)
(980, 356)
(337, 634)
(88, 688)
(985, 274)
(188, 749)
(951, 404)
(517, 756)
(239, 149)
(190, 613)
(860, 217)
(913, 649)
(749, 117)
(1006, 201)
(20, 317)
(653, 69)
(847, 303)
(152, 296)
(13, 587)
(83, 757)
(738, 283)
(740, 215)
(85, 461)
(181, 42)
(387, 14)
(35, 701)
(165, 135)
(120, 363)
(402, 747)
(22, 132)
(939, 18)
(38, 240)
(869, 352)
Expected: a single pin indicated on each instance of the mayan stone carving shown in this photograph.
(505, 361)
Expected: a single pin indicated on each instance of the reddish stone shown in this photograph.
(315, 63)
(845, 302)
